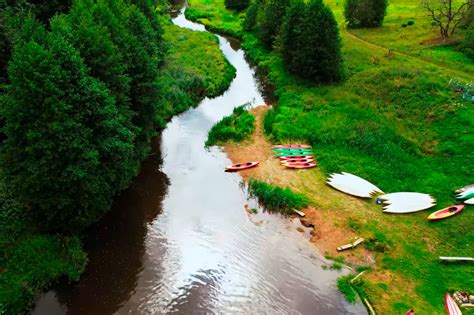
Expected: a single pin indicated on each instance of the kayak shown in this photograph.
(291, 149)
(241, 166)
(296, 157)
(291, 146)
(451, 307)
(300, 166)
(293, 161)
(445, 213)
(292, 154)
(302, 151)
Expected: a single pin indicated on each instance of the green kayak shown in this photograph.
(294, 153)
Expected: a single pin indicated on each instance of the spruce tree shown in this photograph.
(271, 20)
(66, 140)
(310, 43)
(238, 5)
(365, 13)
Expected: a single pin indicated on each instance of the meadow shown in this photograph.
(395, 122)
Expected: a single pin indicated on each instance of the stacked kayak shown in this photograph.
(295, 156)
(466, 193)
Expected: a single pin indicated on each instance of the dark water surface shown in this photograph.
(179, 240)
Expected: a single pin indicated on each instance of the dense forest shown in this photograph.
(84, 88)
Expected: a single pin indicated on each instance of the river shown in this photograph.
(179, 239)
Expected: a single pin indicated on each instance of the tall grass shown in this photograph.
(237, 127)
(275, 198)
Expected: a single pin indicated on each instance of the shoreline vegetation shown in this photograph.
(394, 121)
(32, 256)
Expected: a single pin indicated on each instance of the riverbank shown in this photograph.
(394, 122)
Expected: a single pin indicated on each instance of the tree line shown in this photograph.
(80, 104)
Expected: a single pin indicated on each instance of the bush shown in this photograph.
(275, 198)
(365, 13)
(236, 4)
(467, 46)
(236, 127)
(403, 25)
(309, 42)
(411, 22)
(344, 286)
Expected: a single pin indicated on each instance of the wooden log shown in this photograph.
(371, 309)
(344, 247)
(358, 242)
(360, 274)
(456, 258)
(300, 213)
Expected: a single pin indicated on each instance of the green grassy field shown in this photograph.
(236, 127)
(394, 122)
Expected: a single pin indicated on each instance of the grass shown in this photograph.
(344, 286)
(275, 198)
(216, 17)
(236, 127)
(31, 261)
(394, 122)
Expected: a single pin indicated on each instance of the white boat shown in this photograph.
(406, 202)
(353, 185)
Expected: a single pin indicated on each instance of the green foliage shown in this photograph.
(237, 127)
(344, 286)
(62, 127)
(467, 45)
(236, 4)
(251, 17)
(272, 13)
(33, 264)
(365, 13)
(411, 22)
(275, 198)
(310, 42)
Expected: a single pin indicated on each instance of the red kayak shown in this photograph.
(240, 166)
(293, 161)
(445, 213)
(451, 307)
(300, 165)
(291, 146)
(296, 157)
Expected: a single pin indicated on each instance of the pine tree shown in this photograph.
(365, 13)
(238, 5)
(271, 20)
(66, 140)
(310, 43)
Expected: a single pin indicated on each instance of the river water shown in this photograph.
(179, 239)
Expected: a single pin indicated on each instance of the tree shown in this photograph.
(238, 5)
(309, 41)
(271, 20)
(66, 141)
(365, 13)
(447, 14)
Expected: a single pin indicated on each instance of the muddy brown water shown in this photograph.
(180, 241)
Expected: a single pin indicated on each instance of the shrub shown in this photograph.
(365, 13)
(310, 43)
(236, 127)
(403, 25)
(275, 198)
(467, 46)
(411, 22)
(344, 286)
(236, 4)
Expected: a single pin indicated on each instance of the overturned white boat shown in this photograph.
(469, 201)
(461, 190)
(353, 185)
(407, 202)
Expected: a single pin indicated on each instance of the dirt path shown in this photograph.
(399, 53)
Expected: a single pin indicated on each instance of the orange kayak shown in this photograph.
(240, 166)
(300, 165)
(297, 161)
(446, 212)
